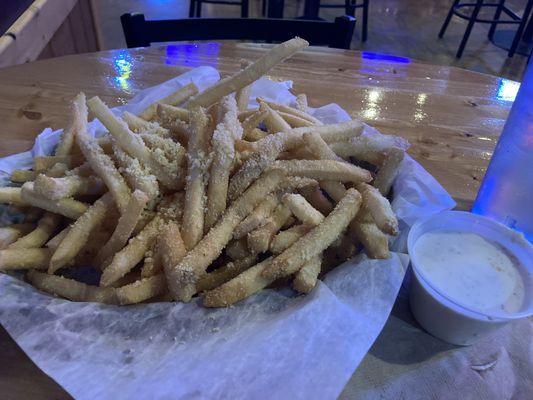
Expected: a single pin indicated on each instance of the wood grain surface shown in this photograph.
(452, 117)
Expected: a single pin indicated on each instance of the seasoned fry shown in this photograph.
(174, 152)
(305, 279)
(71, 289)
(249, 74)
(319, 147)
(301, 102)
(273, 121)
(22, 175)
(124, 261)
(285, 239)
(195, 187)
(225, 273)
(388, 171)
(54, 242)
(259, 239)
(38, 237)
(242, 96)
(34, 258)
(174, 99)
(258, 216)
(67, 186)
(70, 208)
(247, 283)
(141, 290)
(171, 250)
(209, 248)
(375, 242)
(10, 234)
(12, 195)
(168, 112)
(79, 233)
(301, 208)
(251, 123)
(379, 208)
(317, 240)
(255, 135)
(334, 189)
(295, 121)
(317, 199)
(139, 125)
(324, 170)
(43, 163)
(292, 111)
(79, 115)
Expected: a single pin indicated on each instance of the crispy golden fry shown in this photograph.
(34, 258)
(43, 163)
(305, 279)
(79, 115)
(249, 74)
(124, 261)
(301, 208)
(324, 170)
(334, 189)
(292, 111)
(259, 239)
(179, 130)
(242, 96)
(12, 195)
(225, 273)
(67, 186)
(141, 290)
(136, 175)
(209, 248)
(255, 134)
(58, 170)
(103, 166)
(317, 199)
(195, 187)
(379, 208)
(242, 286)
(175, 99)
(38, 237)
(54, 242)
(319, 147)
(169, 113)
(125, 226)
(375, 242)
(273, 121)
(139, 125)
(174, 152)
(10, 234)
(171, 250)
(71, 289)
(388, 171)
(79, 233)
(295, 121)
(252, 122)
(257, 217)
(70, 208)
(301, 102)
(317, 240)
(285, 239)
(132, 144)
(22, 175)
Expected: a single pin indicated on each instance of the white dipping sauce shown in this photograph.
(470, 270)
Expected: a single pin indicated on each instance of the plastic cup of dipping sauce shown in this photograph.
(471, 275)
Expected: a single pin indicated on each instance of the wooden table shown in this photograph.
(452, 118)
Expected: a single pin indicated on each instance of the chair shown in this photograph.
(456, 7)
(195, 7)
(350, 6)
(139, 32)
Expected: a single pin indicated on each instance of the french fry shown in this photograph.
(209, 248)
(295, 121)
(71, 289)
(70, 208)
(319, 147)
(168, 112)
(317, 199)
(11, 259)
(237, 249)
(284, 239)
(124, 260)
(150, 266)
(334, 189)
(301, 102)
(317, 240)
(242, 286)
(79, 233)
(43, 163)
(242, 96)
(324, 170)
(273, 121)
(255, 134)
(223, 155)
(389, 170)
(12, 195)
(292, 111)
(379, 208)
(79, 115)
(67, 186)
(179, 129)
(195, 187)
(174, 99)
(54, 242)
(174, 152)
(249, 74)
(259, 239)
(301, 208)
(171, 250)
(258, 216)
(141, 290)
(38, 237)
(375, 242)
(225, 273)
(22, 175)
(58, 170)
(306, 278)
(10, 234)
(139, 125)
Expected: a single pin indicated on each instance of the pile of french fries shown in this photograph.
(200, 195)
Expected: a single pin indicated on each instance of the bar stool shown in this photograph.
(473, 18)
(195, 8)
(350, 6)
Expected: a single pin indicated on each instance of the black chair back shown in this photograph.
(139, 32)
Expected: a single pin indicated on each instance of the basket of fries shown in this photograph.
(207, 238)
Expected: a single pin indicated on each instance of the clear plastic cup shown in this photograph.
(443, 316)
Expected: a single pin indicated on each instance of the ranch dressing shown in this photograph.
(470, 270)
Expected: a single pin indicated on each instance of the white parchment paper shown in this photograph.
(272, 345)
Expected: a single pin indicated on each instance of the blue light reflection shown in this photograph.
(123, 65)
(385, 57)
(192, 55)
(507, 90)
